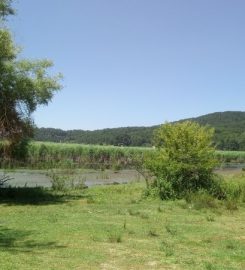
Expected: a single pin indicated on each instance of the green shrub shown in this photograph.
(235, 191)
(232, 191)
(217, 187)
(66, 179)
(164, 189)
(184, 159)
(20, 149)
(58, 182)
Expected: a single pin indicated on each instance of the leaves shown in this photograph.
(24, 84)
(184, 157)
(6, 9)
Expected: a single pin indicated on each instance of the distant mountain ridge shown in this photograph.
(229, 132)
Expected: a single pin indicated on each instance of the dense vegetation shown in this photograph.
(24, 85)
(229, 133)
(53, 155)
(184, 160)
(48, 155)
(229, 129)
(127, 136)
(114, 227)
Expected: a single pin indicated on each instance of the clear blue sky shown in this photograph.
(136, 62)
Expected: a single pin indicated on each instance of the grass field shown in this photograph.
(116, 227)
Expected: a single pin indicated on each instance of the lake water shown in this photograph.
(34, 178)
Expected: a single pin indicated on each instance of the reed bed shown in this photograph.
(65, 155)
(231, 156)
(55, 155)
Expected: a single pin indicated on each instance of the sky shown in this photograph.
(135, 62)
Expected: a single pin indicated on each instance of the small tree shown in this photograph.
(184, 159)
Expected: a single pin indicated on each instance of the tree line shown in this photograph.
(229, 133)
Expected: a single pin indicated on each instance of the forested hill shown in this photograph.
(129, 136)
(229, 133)
(229, 128)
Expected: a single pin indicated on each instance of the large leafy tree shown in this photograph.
(6, 8)
(24, 85)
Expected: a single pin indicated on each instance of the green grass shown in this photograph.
(115, 227)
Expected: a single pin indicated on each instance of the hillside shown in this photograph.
(229, 129)
(229, 132)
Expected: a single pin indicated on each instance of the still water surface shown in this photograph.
(34, 178)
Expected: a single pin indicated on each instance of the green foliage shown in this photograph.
(184, 159)
(231, 191)
(58, 182)
(235, 190)
(123, 140)
(66, 180)
(229, 133)
(57, 155)
(20, 149)
(230, 156)
(24, 85)
(129, 136)
(63, 155)
(164, 189)
(6, 8)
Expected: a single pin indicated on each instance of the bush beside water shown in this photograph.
(184, 164)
